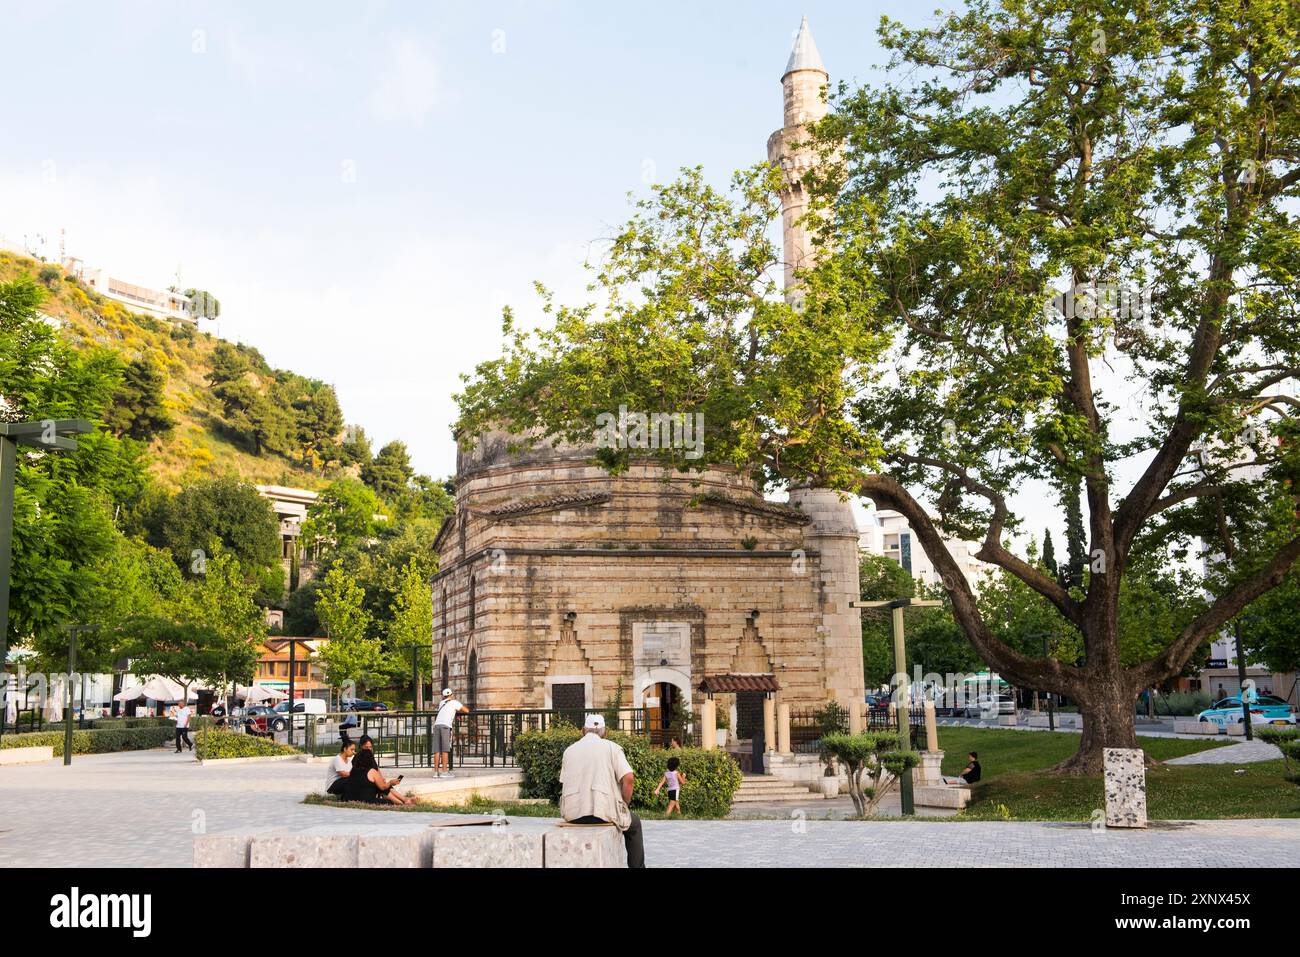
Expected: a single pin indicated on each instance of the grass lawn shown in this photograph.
(1014, 787)
(475, 805)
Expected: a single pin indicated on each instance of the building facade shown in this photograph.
(564, 586)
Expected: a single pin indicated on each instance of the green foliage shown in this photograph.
(221, 514)
(94, 741)
(342, 516)
(64, 504)
(867, 756)
(213, 744)
(350, 655)
(139, 408)
(389, 472)
(712, 777)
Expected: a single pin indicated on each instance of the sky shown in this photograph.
(365, 185)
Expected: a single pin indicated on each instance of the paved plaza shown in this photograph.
(143, 808)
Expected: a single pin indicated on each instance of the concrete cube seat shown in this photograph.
(439, 845)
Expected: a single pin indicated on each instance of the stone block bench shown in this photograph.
(1192, 726)
(941, 795)
(438, 845)
(26, 755)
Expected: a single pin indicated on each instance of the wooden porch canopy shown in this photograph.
(729, 684)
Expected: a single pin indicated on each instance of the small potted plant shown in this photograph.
(723, 726)
(830, 776)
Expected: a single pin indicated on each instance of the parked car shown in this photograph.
(989, 705)
(361, 704)
(1267, 709)
(304, 706)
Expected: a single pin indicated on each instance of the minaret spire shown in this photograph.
(803, 85)
(804, 56)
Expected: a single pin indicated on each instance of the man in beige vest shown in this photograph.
(596, 786)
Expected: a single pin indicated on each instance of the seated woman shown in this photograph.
(365, 782)
(336, 779)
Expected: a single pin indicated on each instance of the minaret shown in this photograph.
(803, 83)
(833, 532)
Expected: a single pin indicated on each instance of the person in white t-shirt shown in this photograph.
(339, 769)
(442, 726)
(181, 713)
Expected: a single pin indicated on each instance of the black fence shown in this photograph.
(484, 738)
(808, 726)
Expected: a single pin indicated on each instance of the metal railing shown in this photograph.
(807, 726)
(483, 738)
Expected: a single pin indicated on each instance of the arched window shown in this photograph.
(444, 616)
(473, 610)
(446, 674)
(471, 682)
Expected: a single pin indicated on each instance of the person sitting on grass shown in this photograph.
(970, 774)
(366, 783)
(673, 779)
(340, 769)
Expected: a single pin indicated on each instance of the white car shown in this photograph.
(303, 706)
(990, 706)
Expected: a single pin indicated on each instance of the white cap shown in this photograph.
(446, 692)
(594, 721)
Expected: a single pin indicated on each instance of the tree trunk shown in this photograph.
(1107, 713)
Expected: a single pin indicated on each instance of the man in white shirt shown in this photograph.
(181, 713)
(596, 783)
(442, 726)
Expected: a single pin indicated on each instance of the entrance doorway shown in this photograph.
(662, 702)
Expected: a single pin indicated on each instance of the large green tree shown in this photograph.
(1072, 186)
(1053, 189)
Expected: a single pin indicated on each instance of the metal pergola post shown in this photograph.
(904, 704)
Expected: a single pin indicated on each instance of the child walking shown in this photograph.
(673, 780)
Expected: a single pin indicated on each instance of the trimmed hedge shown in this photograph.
(712, 777)
(93, 741)
(117, 724)
(213, 745)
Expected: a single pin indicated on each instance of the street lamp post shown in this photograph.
(904, 703)
(52, 436)
(73, 631)
(415, 674)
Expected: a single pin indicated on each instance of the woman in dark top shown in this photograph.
(366, 782)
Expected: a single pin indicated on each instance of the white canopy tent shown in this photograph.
(129, 693)
(162, 689)
(258, 694)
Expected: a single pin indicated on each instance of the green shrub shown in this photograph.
(93, 741)
(1183, 704)
(712, 777)
(107, 724)
(868, 755)
(213, 745)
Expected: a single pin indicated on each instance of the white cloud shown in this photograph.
(408, 87)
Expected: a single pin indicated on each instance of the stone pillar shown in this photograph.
(855, 717)
(769, 723)
(709, 724)
(931, 728)
(783, 729)
(1126, 787)
(833, 534)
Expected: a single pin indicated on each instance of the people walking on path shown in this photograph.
(596, 783)
(443, 726)
(181, 714)
(673, 780)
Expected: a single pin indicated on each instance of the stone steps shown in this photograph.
(754, 790)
